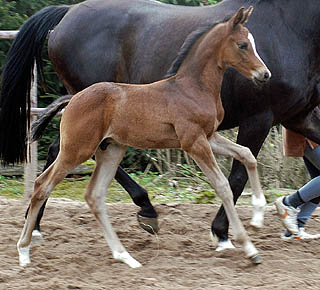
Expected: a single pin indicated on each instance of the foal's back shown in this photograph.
(141, 116)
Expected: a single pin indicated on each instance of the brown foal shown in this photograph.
(182, 111)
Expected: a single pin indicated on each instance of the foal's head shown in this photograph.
(238, 49)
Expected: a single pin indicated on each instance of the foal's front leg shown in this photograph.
(222, 146)
(107, 162)
(251, 136)
(201, 152)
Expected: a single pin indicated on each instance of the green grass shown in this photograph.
(161, 189)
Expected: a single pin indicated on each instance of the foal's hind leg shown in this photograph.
(200, 151)
(223, 146)
(52, 155)
(43, 186)
(147, 216)
(107, 162)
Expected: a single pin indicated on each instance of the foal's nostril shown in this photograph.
(266, 76)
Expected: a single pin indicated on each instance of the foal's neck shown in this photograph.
(202, 66)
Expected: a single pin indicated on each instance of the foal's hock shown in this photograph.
(182, 111)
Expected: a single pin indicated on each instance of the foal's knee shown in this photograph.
(247, 158)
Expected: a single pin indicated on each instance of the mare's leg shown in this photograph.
(225, 147)
(252, 136)
(147, 216)
(44, 184)
(107, 162)
(201, 152)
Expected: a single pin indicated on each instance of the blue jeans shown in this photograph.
(310, 192)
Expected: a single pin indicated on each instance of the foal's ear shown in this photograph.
(237, 18)
(246, 15)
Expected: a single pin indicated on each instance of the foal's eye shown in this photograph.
(243, 45)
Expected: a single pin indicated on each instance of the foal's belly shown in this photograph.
(145, 136)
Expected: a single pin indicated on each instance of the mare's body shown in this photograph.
(136, 41)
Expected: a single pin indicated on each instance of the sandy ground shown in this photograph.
(74, 254)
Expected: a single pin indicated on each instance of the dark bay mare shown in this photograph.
(135, 41)
(184, 111)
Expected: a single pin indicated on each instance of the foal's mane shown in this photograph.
(187, 45)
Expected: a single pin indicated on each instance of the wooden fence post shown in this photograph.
(31, 167)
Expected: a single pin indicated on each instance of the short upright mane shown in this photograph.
(187, 45)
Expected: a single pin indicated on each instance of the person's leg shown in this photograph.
(312, 161)
(307, 198)
(313, 170)
(309, 207)
(306, 211)
(311, 190)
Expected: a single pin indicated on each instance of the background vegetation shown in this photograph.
(174, 165)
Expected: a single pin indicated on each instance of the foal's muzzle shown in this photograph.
(261, 76)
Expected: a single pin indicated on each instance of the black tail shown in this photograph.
(42, 122)
(16, 81)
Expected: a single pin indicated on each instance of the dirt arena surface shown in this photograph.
(74, 254)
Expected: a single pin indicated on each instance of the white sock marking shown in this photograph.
(222, 245)
(258, 211)
(250, 250)
(36, 234)
(126, 258)
(24, 258)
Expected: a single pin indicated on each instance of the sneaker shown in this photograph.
(303, 235)
(288, 215)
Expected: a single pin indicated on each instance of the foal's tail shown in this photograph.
(42, 122)
(16, 80)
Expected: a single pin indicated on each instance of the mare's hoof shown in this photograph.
(221, 245)
(37, 237)
(148, 224)
(256, 259)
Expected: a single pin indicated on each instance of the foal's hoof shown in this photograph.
(256, 259)
(148, 224)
